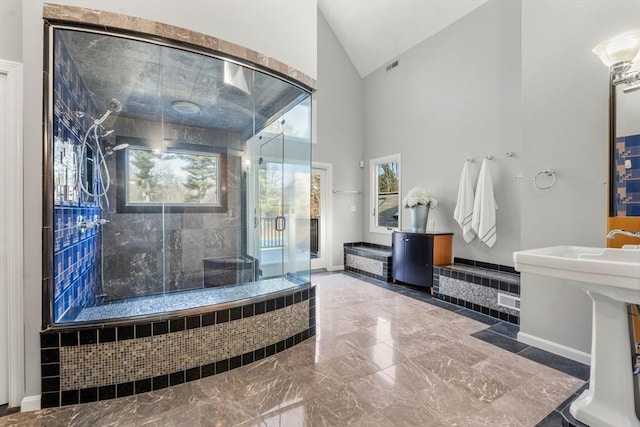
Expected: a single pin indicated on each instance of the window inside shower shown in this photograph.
(178, 179)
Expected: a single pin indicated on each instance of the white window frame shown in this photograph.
(373, 199)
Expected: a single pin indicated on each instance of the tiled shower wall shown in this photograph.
(628, 176)
(152, 253)
(76, 270)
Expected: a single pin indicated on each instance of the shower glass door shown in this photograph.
(271, 224)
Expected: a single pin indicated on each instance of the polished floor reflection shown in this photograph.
(379, 359)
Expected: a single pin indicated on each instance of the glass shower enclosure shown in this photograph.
(175, 179)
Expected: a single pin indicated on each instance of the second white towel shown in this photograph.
(464, 206)
(483, 221)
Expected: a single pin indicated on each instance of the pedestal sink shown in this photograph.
(611, 277)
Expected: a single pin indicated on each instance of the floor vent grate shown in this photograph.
(509, 301)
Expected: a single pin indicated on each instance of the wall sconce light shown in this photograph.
(618, 54)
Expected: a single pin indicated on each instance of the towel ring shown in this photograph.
(547, 172)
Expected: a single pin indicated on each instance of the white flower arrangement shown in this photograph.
(419, 196)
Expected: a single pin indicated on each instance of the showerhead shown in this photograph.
(114, 105)
(110, 150)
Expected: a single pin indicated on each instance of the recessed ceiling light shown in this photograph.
(185, 107)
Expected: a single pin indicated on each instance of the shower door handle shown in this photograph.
(281, 223)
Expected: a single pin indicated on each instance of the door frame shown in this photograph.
(326, 217)
(11, 229)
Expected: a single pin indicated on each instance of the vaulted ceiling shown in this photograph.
(374, 32)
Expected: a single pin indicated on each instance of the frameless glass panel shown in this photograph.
(297, 194)
(272, 222)
(172, 171)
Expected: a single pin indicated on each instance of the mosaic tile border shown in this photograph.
(51, 343)
(361, 249)
(507, 281)
(109, 20)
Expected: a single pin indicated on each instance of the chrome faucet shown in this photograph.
(613, 233)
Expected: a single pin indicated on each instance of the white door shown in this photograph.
(319, 217)
(11, 235)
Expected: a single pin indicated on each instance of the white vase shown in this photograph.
(419, 217)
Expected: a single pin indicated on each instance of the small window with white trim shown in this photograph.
(385, 194)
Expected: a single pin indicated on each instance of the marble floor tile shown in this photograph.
(380, 358)
(382, 355)
(510, 376)
(458, 374)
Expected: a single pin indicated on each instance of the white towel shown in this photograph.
(483, 221)
(464, 206)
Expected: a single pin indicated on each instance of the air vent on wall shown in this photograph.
(393, 65)
(509, 301)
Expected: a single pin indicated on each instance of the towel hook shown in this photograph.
(509, 154)
(546, 172)
(470, 159)
(489, 157)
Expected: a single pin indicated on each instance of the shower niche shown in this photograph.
(175, 178)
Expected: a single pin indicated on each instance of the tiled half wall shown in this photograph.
(369, 259)
(476, 285)
(104, 363)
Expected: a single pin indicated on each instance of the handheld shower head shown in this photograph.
(114, 105)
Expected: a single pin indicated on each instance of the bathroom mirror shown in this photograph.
(624, 163)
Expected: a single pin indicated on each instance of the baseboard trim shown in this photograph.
(335, 268)
(555, 348)
(30, 403)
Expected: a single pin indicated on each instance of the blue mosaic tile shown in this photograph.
(76, 254)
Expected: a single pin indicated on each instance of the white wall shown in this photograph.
(285, 30)
(281, 29)
(339, 136)
(453, 96)
(565, 99)
(10, 29)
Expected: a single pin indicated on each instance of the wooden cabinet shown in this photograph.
(414, 255)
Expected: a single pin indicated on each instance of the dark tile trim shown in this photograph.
(486, 265)
(50, 342)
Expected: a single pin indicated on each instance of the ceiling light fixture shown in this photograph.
(185, 107)
(618, 54)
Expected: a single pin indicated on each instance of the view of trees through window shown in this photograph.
(172, 178)
(388, 188)
(315, 195)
